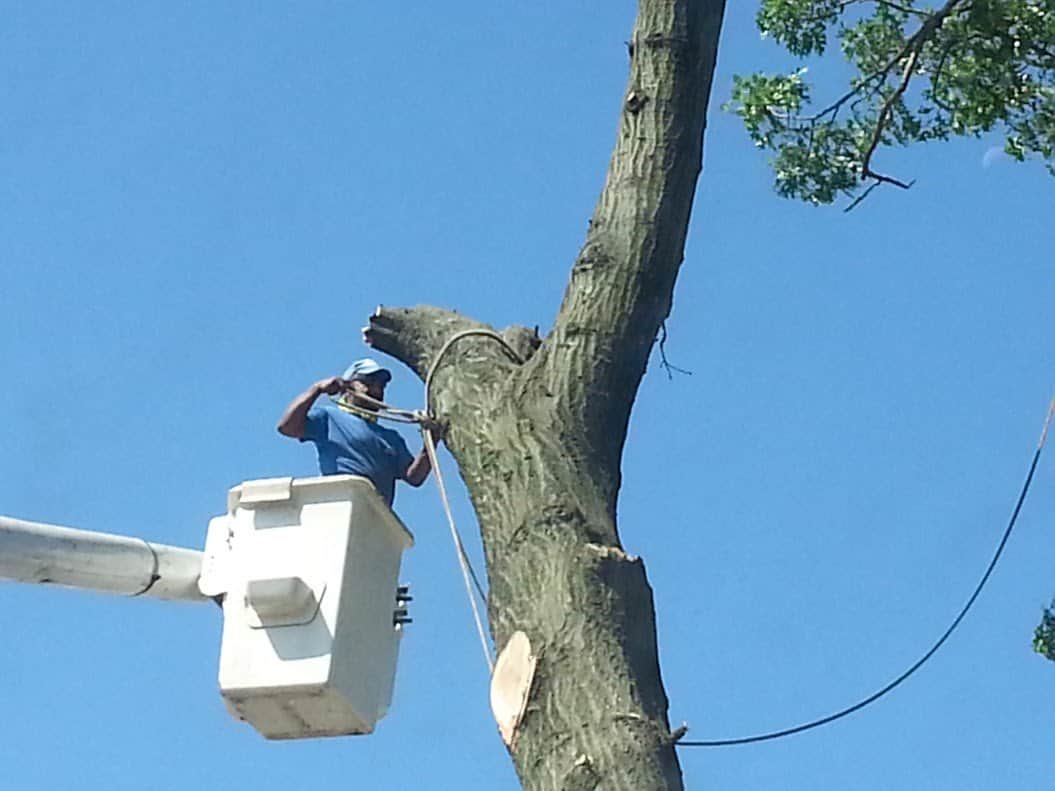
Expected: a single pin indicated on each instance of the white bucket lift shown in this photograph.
(308, 572)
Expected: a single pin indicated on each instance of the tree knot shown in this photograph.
(635, 101)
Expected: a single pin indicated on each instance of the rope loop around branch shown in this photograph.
(434, 366)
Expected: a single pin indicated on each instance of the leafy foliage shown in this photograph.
(922, 73)
(1044, 636)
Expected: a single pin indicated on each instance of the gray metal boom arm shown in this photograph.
(39, 553)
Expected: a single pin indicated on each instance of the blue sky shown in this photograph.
(199, 207)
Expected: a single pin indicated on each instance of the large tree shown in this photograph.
(537, 425)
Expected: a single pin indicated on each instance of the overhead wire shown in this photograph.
(425, 419)
(919, 663)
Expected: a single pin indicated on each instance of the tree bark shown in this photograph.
(538, 442)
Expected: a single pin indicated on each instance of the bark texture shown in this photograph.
(538, 442)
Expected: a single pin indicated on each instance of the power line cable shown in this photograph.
(897, 681)
(469, 573)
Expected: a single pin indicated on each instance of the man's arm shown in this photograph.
(420, 468)
(294, 419)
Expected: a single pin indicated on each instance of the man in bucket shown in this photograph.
(346, 432)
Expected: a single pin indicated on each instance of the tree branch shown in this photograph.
(414, 335)
(912, 50)
(622, 282)
(844, 4)
(667, 366)
(927, 29)
(902, 8)
(936, 77)
(884, 118)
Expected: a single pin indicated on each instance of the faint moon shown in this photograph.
(992, 155)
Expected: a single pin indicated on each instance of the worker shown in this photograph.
(346, 432)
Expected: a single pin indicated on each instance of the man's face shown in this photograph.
(372, 386)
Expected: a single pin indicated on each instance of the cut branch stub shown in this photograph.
(413, 335)
(464, 383)
(511, 685)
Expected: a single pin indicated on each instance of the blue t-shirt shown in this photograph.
(350, 444)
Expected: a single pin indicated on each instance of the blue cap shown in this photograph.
(367, 369)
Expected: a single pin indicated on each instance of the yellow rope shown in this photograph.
(355, 409)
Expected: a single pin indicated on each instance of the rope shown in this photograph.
(897, 681)
(383, 411)
(386, 412)
(430, 446)
(463, 559)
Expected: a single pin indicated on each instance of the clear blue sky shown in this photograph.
(201, 203)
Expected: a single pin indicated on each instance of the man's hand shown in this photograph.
(436, 428)
(293, 420)
(333, 385)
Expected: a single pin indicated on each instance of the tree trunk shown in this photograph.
(538, 442)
